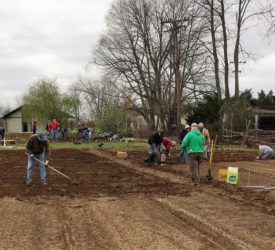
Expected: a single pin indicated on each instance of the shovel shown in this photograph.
(209, 177)
(52, 168)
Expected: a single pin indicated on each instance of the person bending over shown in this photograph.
(153, 147)
(37, 146)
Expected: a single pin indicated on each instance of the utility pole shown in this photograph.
(177, 73)
(176, 25)
(236, 72)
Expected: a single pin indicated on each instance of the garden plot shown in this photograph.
(118, 206)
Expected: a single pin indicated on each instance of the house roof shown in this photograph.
(20, 107)
(11, 112)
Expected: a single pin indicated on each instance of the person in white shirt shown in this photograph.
(265, 152)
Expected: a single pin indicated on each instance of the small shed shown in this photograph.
(264, 119)
(13, 122)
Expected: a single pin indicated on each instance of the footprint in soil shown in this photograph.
(19, 198)
(272, 212)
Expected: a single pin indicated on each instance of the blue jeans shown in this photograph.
(55, 134)
(267, 155)
(86, 136)
(182, 154)
(49, 136)
(64, 135)
(154, 150)
(31, 162)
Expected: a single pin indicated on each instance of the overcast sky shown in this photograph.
(54, 38)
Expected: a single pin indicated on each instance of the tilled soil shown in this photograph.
(125, 204)
(92, 176)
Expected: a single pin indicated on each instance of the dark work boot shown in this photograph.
(151, 159)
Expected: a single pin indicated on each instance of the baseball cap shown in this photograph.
(200, 125)
(41, 136)
(194, 125)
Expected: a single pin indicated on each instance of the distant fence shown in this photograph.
(253, 137)
(18, 136)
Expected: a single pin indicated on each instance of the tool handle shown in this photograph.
(52, 168)
(211, 154)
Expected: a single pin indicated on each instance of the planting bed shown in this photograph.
(95, 176)
(219, 156)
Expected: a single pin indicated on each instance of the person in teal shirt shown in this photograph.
(194, 143)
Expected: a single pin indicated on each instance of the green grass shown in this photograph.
(117, 145)
(94, 145)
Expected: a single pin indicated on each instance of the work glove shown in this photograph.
(46, 163)
(31, 155)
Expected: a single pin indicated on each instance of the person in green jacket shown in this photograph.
(194, 143)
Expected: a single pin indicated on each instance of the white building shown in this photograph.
(13, 123)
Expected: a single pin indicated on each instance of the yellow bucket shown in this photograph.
(232, 177)
(222, 174)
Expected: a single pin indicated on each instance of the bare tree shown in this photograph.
(139, 53)
(219, 15)
(97, 95)
(247, 9)
(222, 15)
(216, 15)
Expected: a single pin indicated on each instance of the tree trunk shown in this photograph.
(225, 53)
(236, 49)
(215, 54)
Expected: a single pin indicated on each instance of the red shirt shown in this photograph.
(54, 125)
(168, 144)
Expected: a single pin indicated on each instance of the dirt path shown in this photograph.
(124, 205)
(133, 223)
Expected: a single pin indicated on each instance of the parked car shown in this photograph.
(104, 135)
(116, 137)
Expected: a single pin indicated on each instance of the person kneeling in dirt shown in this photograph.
(37, 145)
(194, 143)
(153, 147)
(165, 149)
(265, 152)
